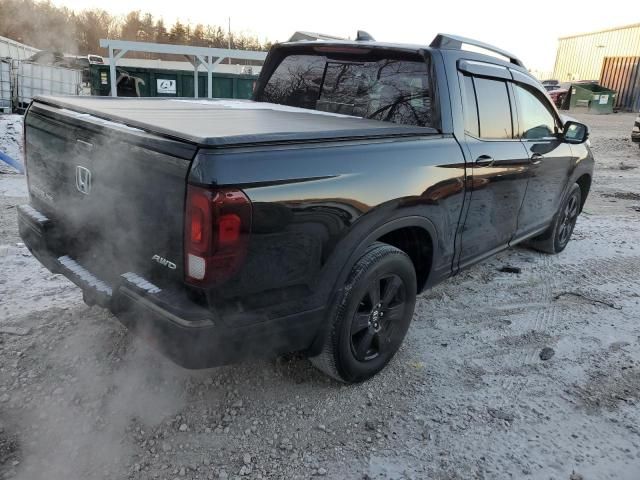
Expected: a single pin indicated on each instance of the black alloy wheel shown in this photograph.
(557, 236)
(381, 308)
(375, 307)
(568, 219)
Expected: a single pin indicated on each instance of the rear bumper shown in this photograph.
(189, 334)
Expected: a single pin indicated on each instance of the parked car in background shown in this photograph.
(550, 83)
(556, 91)
(95, 59)
(308, 219)
(635, 132)
(557, 94)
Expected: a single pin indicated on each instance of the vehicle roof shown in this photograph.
(445, 43)
(407, 47)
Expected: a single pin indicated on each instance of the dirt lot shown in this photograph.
(467, 397)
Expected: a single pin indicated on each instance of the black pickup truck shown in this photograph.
(309, 218)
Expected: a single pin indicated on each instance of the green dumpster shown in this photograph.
(592, 98)
(156, 82)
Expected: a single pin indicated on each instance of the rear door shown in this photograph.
(498, 179)
(549, 155)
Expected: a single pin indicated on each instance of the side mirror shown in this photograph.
(575, 132)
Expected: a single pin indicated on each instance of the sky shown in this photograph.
(529, 30)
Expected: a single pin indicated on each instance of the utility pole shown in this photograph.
(229, 40)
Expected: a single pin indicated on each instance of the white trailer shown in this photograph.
(31, 79)
(16, 50)
(21, 80)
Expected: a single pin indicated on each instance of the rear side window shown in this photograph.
(392, 90)
(494, 108)
(471, 125)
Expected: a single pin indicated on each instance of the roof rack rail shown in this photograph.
(455, 42)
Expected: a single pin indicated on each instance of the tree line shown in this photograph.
(48, 27)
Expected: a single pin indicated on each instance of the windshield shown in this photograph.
(392, 90)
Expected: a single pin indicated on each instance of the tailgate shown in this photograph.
(115, 195)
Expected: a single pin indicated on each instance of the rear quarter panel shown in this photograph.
(314, 206)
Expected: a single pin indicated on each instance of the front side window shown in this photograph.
(392, 90)
(494, 108)
(537, 122)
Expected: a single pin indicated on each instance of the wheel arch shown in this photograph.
(584, 182)
(415, 223)
(392, 232)
(417, 243)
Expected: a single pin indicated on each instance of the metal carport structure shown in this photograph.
(208, 57)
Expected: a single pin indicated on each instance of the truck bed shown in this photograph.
(222, 122)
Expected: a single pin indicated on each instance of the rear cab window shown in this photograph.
(396, 89)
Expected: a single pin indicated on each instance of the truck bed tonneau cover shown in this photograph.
(229, 122)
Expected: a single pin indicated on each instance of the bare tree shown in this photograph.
(91, 26)
(49, 27)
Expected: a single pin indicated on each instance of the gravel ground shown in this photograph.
(503, 375)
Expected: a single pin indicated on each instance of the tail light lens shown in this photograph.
(217, 227)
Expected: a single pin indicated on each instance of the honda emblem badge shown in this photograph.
(83, 180)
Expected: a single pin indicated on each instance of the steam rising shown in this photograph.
(87, 396)
(81, 427)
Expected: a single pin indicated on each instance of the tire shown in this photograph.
(372, 317)
(556, 238)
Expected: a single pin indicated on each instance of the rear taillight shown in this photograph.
(216, 234)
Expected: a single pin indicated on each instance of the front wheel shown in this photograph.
(372, 317)
(556, 238)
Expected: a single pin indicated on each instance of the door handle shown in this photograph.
(484, 161)
(536, 159)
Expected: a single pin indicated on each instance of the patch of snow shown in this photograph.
(45, 289)
(11, 140)
(13, 186)
(101, 121)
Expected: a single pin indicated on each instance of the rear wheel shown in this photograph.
(373, 315)
(556, 238)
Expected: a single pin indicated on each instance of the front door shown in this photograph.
(499, 168)
(550, 159)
